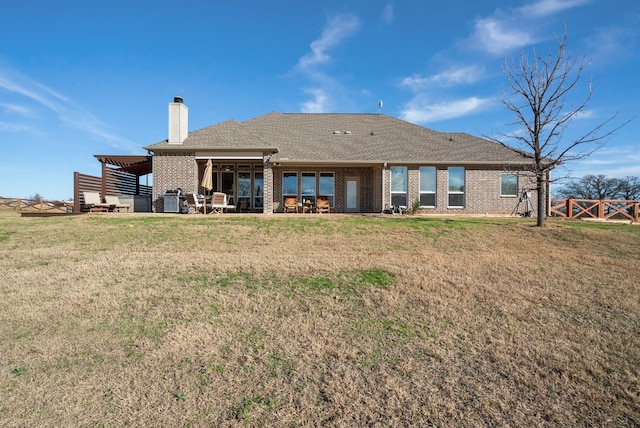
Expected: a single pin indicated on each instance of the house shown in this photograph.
(364, 163)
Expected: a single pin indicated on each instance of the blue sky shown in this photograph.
(79, 78)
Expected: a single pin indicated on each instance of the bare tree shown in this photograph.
(629, 188)
(602, 187)
(592, 187)
(537, 95)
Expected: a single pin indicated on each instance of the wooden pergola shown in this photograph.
(113, 179)
(137, 165)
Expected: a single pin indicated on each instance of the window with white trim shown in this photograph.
(399, 186)
(456, 186)
(427, 186)
(508, 184)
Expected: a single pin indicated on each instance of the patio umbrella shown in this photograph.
(207, 181)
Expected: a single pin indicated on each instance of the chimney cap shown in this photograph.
(178, 100)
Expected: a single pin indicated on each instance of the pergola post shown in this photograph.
(103, 191)
(76, 192)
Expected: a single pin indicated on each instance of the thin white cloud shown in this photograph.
(336, 31)
(497, 36)
(31, 89)
(447, 78)
(9, 169)
(611, 162)
(544, 8)
(585, 115)
(63, 107)
(612, 44)
(420, 110)
(19, 110)
(387, 14)
(494, 35)
(14, 127)
(508, 30)
(319, 102)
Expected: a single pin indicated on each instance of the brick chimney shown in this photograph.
(178, 121)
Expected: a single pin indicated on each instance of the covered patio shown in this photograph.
(242, 180)
(120, 176)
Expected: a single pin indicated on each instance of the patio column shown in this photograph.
(267, 207)
(386, 203)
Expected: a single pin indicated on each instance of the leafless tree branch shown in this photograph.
(537, 91)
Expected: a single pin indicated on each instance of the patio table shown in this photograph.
(307, 207)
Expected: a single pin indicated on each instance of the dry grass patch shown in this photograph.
(336, 320)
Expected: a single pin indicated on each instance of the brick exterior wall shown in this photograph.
(367, 193)
(369, 187)
(482, 185)
(482, 191)
(171, 171)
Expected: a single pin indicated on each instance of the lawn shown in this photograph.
(291, 320)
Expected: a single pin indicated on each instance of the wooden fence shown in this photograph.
(600, 209)
(114, 183)
(37, 205)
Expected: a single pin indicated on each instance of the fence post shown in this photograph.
(600, 208)
(18, 202)
(569, 208)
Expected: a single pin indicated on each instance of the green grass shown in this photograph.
(317, 321)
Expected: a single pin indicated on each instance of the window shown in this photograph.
(289, 185)
(327, 186)
(258, 190)
(311, 185)
(216, 185)
(427, 186)
(244, 188)
(399, 186)
(228, 184)
(308, 187)
(508, 185)
(456, 187)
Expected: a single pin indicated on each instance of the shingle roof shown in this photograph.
(228, 135)
(356, 138)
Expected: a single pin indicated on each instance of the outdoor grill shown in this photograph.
(173, 201)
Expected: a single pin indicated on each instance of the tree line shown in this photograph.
(598, 187)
